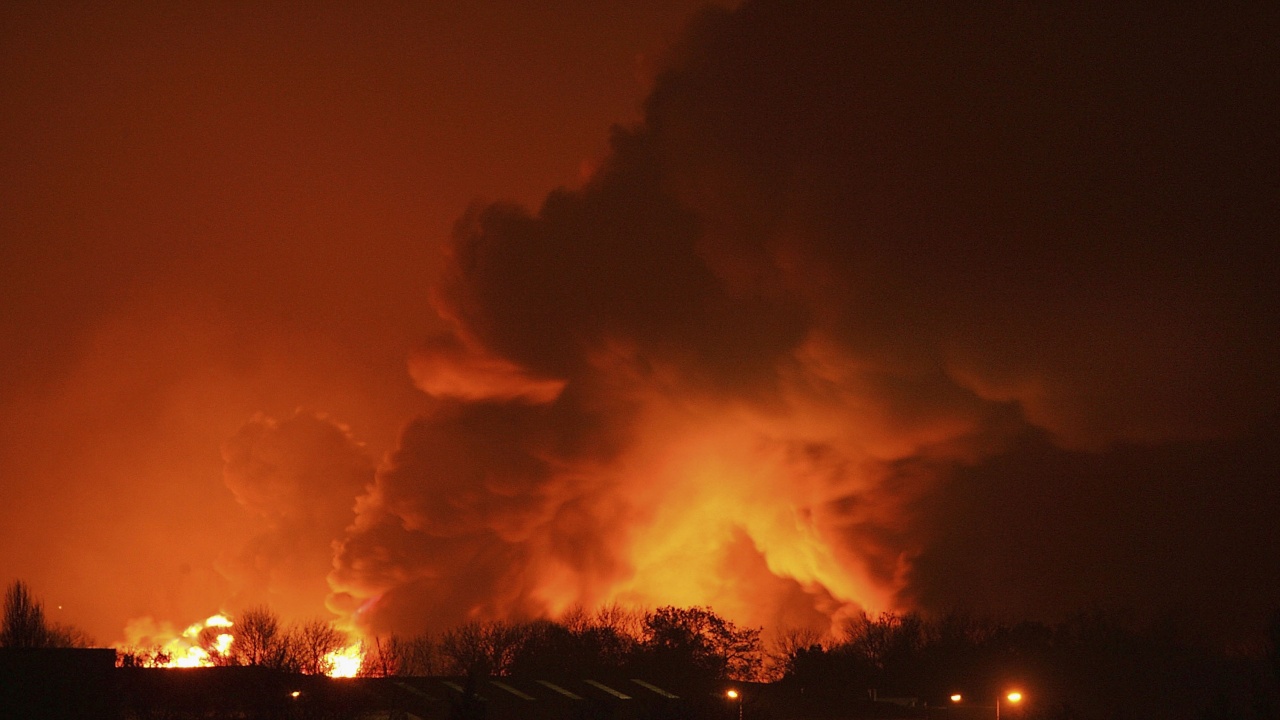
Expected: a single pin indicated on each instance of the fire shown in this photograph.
(188, 650)
(346, 662)
(195, 646)
(738, 521)
(212, 642)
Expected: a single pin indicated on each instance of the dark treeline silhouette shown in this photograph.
(694, 642)
(1092, 664)
(25, 625)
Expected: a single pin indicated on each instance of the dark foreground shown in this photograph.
(79, 683)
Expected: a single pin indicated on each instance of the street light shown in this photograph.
(733, 694)
(1014, 697)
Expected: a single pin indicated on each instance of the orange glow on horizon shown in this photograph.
(210, 642)
(193, 647)
(345, 663)
(744, 509)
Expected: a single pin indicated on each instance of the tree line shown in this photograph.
(697, 641)
(1093, 663)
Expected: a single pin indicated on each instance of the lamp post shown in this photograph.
(1013, 697)
(733, 694)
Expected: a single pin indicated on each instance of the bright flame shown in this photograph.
(1014, 697)
(735, 522)
(186, 651)
(346, 662)
(190, 648)
(223, 643)
(202, 643)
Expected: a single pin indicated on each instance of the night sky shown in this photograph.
(419, 312)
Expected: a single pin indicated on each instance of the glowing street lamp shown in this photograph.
(1014, 697)
(734, 695)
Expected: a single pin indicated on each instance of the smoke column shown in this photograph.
(865, 279)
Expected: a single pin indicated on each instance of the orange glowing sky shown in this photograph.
(214, 212)
(857, 307)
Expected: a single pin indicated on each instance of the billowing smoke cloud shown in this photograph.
(299, 476)
(866, 277)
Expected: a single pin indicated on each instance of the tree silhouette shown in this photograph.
(258, 640)
(478, 649)
(398, 655)
(25, 625)
(308, 646)
(698, 642)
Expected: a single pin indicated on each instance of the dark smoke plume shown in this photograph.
(879, 305)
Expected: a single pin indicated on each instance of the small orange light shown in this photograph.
(295, 693)
(732, 694)
(1014, 696)
(955, 697)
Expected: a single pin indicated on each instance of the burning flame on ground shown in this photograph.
(345, 663)
(186, 650)
(203, 643)
(190, 648)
